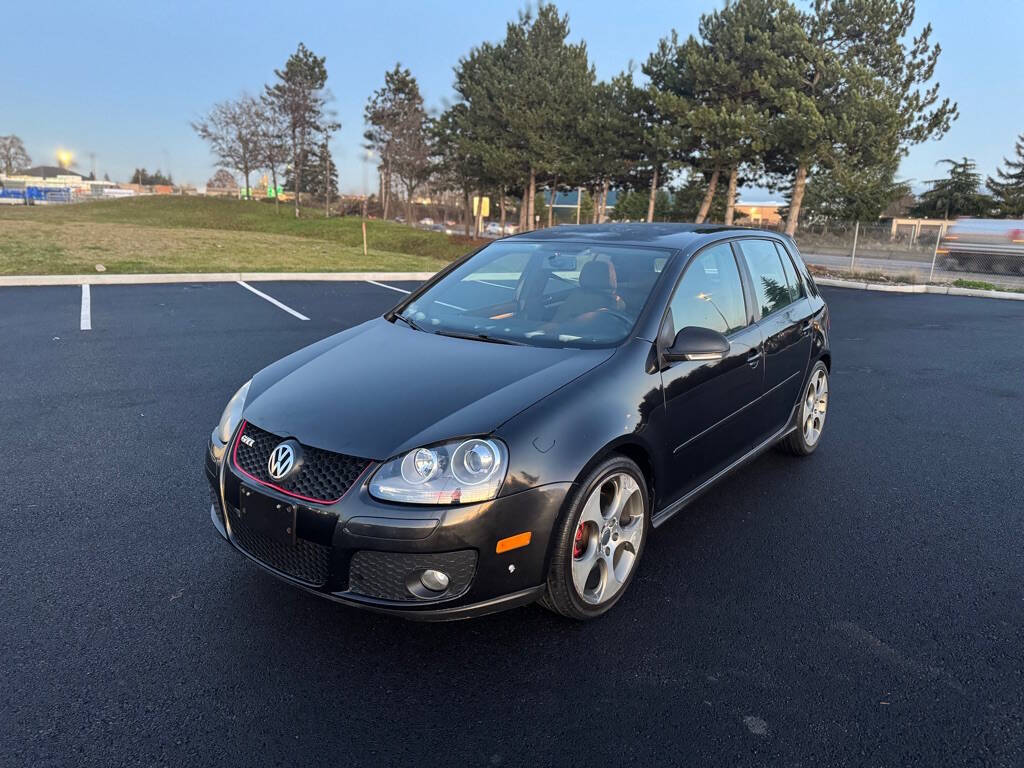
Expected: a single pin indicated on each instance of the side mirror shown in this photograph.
(693, 343)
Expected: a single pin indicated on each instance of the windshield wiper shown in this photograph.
(479, 337)
(407, 321)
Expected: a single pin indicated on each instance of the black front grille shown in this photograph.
(324, 476)
(385, 575)
(305, 560)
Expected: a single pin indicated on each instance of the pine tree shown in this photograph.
(727, 84)
(864, 93)
(398, 133)
(299, 96)
(1008, 190)
(525, 97)
(956, 195)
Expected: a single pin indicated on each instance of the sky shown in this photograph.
(123, 80)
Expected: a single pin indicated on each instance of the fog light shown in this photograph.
(435, 581)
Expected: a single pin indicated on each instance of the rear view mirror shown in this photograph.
(562, 262)
(693, 343)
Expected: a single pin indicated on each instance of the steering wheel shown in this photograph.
(623, 318)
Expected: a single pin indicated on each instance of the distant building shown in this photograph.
(759, 214)
(51, 177)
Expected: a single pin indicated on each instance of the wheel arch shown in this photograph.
(632, 449)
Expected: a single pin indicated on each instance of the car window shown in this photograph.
(796, 289)
(710, 294)
(553, 294)
(770, 284)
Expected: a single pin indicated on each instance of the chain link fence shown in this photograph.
(971, 251)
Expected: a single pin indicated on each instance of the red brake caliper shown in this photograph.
(577, 543)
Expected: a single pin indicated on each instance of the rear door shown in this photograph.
(710, 405)
(784, 318)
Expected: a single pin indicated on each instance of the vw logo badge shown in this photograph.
(284, 460)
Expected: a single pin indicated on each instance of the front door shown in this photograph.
(709, 404)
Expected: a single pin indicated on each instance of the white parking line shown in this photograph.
(385, 285)
(450, 306)
(272, 300)
(496, 285)
(86, 321)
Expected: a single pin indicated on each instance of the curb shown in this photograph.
(209, 277)
(949, 290)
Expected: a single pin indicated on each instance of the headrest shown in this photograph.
(598, 276)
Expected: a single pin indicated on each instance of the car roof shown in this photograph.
(626, 233)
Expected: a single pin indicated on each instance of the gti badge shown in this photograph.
(285, 460)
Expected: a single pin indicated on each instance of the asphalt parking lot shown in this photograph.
(864, 606)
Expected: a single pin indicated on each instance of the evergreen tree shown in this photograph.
(728, 82)
(526, 98)
(845, 193)
(862, 93)
(398, 133)
(633, 205)
(147, 179)
(314, 179)
(691, 195)
(299, 96)
(956, 195)
(1008, 188)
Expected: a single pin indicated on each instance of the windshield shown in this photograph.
(542, 294)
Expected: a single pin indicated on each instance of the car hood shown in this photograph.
(380, 389)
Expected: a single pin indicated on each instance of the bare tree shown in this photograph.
(13, 156)
(233, 130)
(222, 179)
(327, 129)
(273, 142)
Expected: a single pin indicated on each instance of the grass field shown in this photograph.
(197, 234)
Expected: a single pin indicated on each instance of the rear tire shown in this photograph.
(599, 541)
(811, 413)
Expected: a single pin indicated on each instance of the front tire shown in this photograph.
(813, 409)
(599, 541)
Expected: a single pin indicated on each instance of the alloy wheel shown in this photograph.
(607, 541)
(815, 407)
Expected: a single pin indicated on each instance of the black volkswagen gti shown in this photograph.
(514, 430)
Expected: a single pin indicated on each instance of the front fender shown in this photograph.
(557, 438)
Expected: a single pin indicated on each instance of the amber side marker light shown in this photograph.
(513, 542)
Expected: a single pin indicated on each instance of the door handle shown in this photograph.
(754, 357)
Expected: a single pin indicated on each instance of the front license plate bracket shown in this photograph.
(267, 516)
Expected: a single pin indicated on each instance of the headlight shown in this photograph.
(459, 472)
(232, 413)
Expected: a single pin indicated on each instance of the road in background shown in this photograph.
(920, 269)
(862, 606)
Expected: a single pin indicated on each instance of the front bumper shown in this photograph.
(362, 552)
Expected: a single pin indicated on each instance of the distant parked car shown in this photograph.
(494, 228)
(984, 245)
(426, 221)
(516, 428)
